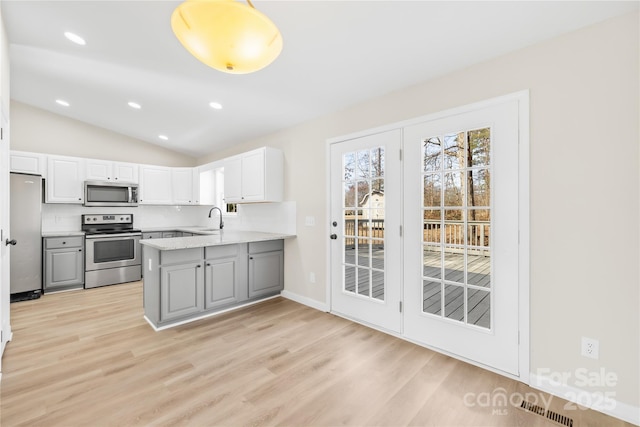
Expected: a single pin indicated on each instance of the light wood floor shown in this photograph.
(87, 358)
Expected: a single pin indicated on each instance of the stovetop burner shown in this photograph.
(91, 232)
(108, 224)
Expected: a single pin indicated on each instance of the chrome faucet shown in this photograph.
(219, 210)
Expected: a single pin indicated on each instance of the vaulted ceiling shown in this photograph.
(336, 54)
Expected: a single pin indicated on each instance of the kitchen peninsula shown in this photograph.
(189, 278)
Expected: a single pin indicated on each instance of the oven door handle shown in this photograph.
(114, 236)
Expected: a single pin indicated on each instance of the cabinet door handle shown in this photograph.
(79, 250)
(198, 266)
(250, 257)
(208, 265)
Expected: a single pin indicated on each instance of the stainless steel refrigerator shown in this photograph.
(25, 229)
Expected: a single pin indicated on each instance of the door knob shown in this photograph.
(11, 242)
(334, 236)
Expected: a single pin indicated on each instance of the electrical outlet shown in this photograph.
(312, 277)
(590, 348)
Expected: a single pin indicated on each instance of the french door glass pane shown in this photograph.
(456, 248)
(432, 190)
(479, 147)
(454, 151)
(454, 302)
(454, 184)
(432, 154)
(432, 297)
(364, 223)
(432, 264)
(364, 281)
(478, 308)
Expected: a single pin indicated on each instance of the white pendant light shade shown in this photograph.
(227, 35)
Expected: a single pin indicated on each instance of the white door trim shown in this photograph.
(522, 97)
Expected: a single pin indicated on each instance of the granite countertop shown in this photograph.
(185, 228)
(62, 233)
(225, 237)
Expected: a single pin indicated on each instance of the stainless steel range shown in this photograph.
(112, 253)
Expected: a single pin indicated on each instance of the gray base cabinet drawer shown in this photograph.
(170, 234)
(152, 235)
(63, 242)
(268, 246)
(180, 256)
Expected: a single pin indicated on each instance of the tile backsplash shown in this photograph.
(268, 217)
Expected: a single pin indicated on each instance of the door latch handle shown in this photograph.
(11, 242)
(334, 236)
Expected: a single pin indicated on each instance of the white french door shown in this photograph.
(461, 240)
(366, 262)
(456, 268)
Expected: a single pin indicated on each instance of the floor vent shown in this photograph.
(560, 419)
(550, 415)
(528, 406)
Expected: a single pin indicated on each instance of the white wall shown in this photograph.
(40, 131)
(585, 188)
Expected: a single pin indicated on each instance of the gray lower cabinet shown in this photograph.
(63, 263)
(181, 290)
(185, 284)
(266, 268)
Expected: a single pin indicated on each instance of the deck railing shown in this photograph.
(477, 237)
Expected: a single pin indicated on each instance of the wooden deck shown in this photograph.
(370, 270)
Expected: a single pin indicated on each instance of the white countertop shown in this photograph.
(184, 228)
(226, 237)
(62, 233)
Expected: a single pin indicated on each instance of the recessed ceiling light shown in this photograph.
(163, 137)
(75, 38)
(215, 105)
(135, 105)
(62, 102)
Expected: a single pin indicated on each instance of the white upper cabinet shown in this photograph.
(104, 170)
(195, 180)
(155, 185)
(182, 186)
(65, 180)
(254, 176)
(233, 179)
(24, 162)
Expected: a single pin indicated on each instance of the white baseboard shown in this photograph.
(592, 399)
(305, 301)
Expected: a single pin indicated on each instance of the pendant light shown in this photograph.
(227, 35)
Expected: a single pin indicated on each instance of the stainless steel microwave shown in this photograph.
(99, 193)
